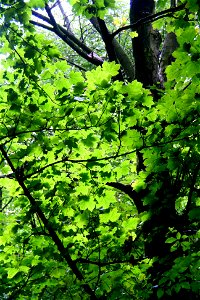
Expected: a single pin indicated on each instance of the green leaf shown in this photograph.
(195, 213)
(185, 285)
(133, 34)
(3, 240)
(33, 108)
(24, 269)
(37, 3)
(76, 77)
(90, 205)
(62, 66)
(132, 138)
(170, 240)
(12, 272)
(57, 273)
(131, 223)
(112, 216)
(160, 293)
(89, 141)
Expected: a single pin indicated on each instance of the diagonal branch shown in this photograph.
(54, 236)
(67, 37)
(128, 190)
(65, 17)
(106, 38)
(68, 41)
(121, 55)
(108, 44)
(59, 29)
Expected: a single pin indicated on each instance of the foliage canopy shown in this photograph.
(99, 172)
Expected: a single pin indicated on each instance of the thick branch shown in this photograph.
(108, 44)
(106, 38)
(42, 25)
(121, 55)
(68, 38)
(51, 17)
(63, 30)
(128, 190)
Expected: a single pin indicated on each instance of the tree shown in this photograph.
(100, 169)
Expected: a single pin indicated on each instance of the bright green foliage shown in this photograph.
(64, 136)
(92, 8)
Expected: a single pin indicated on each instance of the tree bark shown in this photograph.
(146, 45)
(169, 46)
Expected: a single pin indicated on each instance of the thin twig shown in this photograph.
(149, 19)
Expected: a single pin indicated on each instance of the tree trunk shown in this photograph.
(146, 45)
(169, 46)
(162, 207)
